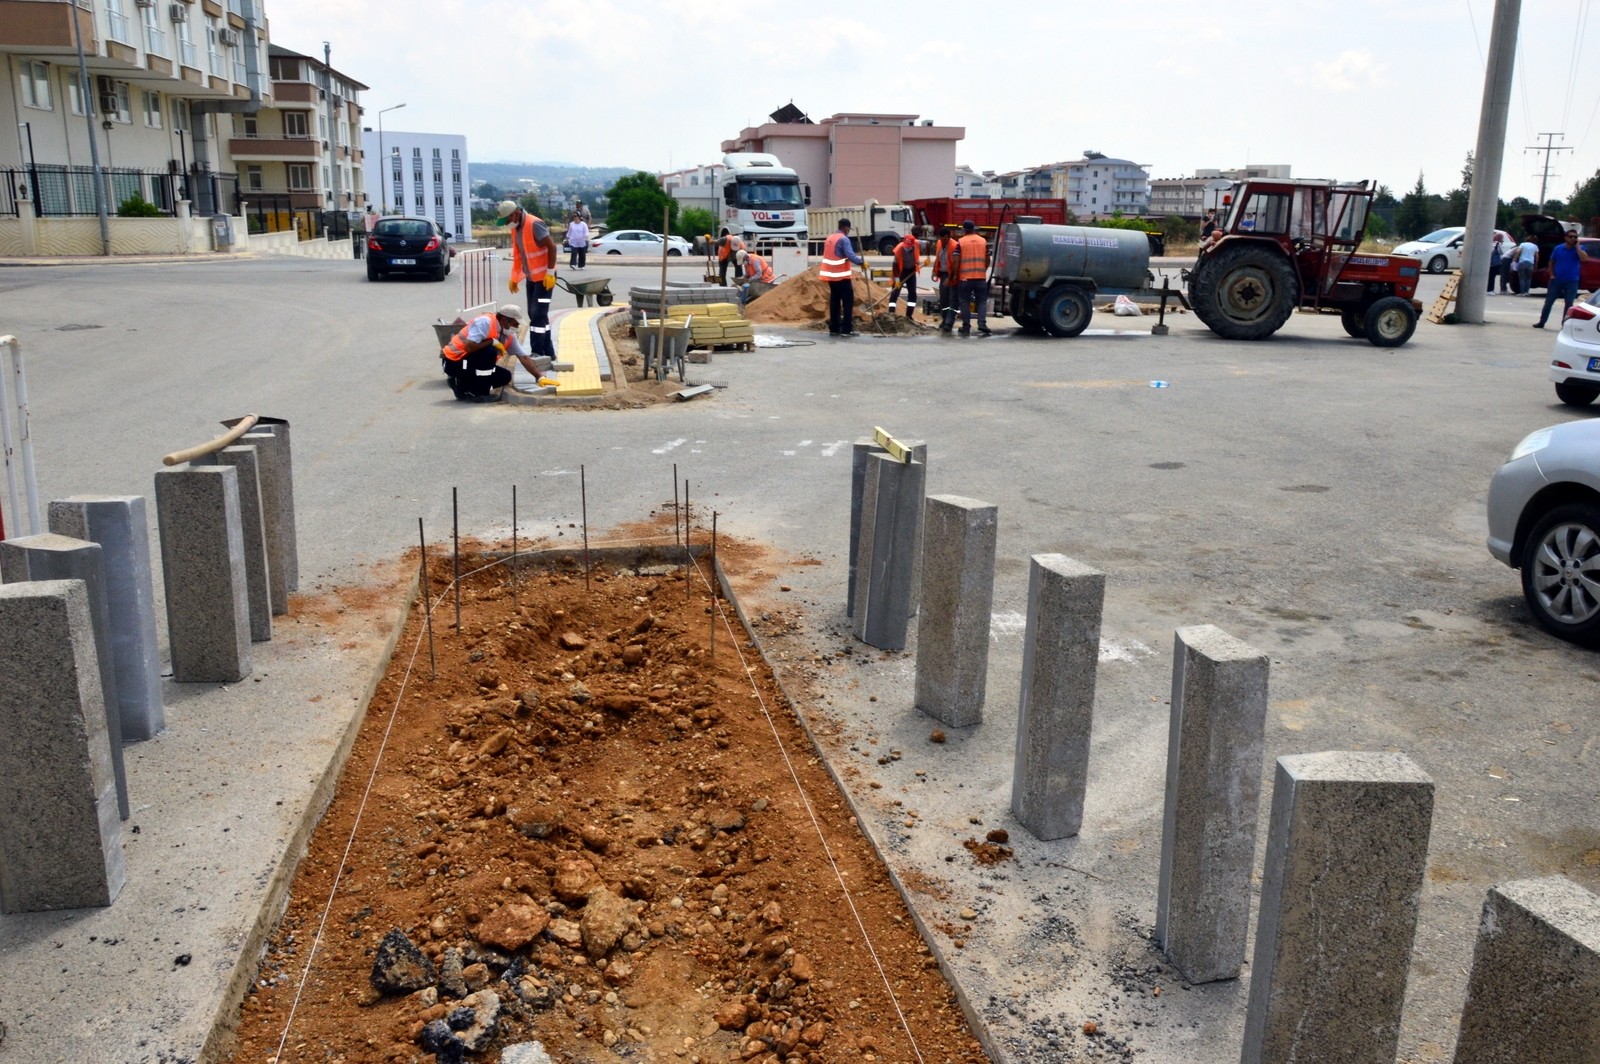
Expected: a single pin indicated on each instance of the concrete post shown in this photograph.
(891, 518)
(858, 482)
(1060, 653)
(957, 598)
(60, 843)
(119, 525)
(1535, 977)
(1208, 836)
(1346, 848)
(48, 556)
(252, 526)
(202, 568)
(276, 463)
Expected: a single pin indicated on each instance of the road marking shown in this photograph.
(831, 449)
(670, 446)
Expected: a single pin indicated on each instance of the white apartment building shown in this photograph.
(421, 174)
(695, 186)
(1098, 186)
(1191, 197)
(969, 184)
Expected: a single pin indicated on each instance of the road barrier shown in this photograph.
(478, 291)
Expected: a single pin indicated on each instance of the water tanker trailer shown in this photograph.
(1046, 277)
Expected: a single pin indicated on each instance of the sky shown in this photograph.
(1352, 90)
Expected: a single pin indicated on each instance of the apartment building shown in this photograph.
(1098, 186)
(695, 186)
(1191, 197)
(424, 175)
(969, 184)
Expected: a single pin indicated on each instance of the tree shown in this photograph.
(695, 221)
(1554, 207)
(636, 202)
(1415, 216)
(1584, 206)
(1454, 209)
(1466, 172)
(1384, 197)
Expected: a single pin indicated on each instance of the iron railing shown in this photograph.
(69, 191)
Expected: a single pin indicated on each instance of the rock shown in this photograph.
(606, 918)
(571, 641)
(566, 933)
(623, 703)
(814, 1034)
(534, 822)
(726, 819)
(618, 972)
(450, 982)
(437, 1038)
(525, 1053)
(474, 1023)
(999, 835)
(580, 693)
(528, 699)
(633, 655)
(785, 1038)
(369, 996)
(772, 915)
(400, 966)
(594, 838)
(477, 976)
(733, 1016)
(574, 879)
(495, 742)
(801, 969)
(510, 927)
(644, 624)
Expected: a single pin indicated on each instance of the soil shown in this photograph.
(614, 829)
(802, 301)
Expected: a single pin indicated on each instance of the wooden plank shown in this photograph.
(1441, 306)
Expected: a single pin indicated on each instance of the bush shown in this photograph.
(136, 206)
(694, 221)
(1118, 222)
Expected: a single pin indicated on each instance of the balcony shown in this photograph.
(273, 148)
(43, 27)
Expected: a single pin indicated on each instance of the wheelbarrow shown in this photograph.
(595, 288)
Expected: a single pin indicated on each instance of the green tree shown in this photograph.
(1466, 172)
(1584, 206)
(1384, 197)
(1415, 216)
(1453, 211)
(636, 202)
(1554, 207)
(695, 221)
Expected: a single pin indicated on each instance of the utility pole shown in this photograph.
(333, 130)
(1544, 172)
(1483, 200)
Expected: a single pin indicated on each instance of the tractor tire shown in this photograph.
(1438, 264)
(1576, 394)
(1390, 322)
(1245, 292)
(1065, 311)
(1354, 322)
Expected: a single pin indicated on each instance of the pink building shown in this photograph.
(850, 158)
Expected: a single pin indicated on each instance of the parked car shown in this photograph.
(1575, 365)
(639, 242)
(408, 245)
(1547, 232)
(1440, 250)
(1544, 519)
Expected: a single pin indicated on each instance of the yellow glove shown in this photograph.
(513, 287)
(549, 382)
(549, 281)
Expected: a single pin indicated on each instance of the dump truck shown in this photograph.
(874, 226)
(989, 214)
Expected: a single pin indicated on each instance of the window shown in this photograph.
(124, 99)
(36, 84)
(294, 125)
(180, 115)
(75, 95)
(117, 22)
(252, 178)
(326, 181)
(155, 38)
(251, 128)
(152, 109)
(300, 177)
(455, 153)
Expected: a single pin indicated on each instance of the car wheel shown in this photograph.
(372, 271)
(613, 251)
(441, 273)
(1354, 322)
(1576, 394)
(1561, 572)
(1437, 264)
(674, 253)
(1390, 322)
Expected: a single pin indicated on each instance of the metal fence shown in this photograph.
(275, 212)
(69, 191)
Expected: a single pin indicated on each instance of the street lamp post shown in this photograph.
(383, 160)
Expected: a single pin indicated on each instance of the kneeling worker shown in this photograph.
(471, 358)
(756, 273)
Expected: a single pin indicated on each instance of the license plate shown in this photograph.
(1594, 365)
(402, 262)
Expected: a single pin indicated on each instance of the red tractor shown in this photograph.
(1293, 244)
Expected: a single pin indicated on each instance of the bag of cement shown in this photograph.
(1125, 308)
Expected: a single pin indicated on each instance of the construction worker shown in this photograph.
(471, 360)
(533, 259)
(727, 246)
(944, 275)
(972, 267)
(756, 272)
(907, 262)
(837, 257)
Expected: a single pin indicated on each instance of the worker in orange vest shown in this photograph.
(533, 259)
(727, 246)
(944, 275)
(754, 270)
(972, 268)
(907, 263)
(471, 360)
(837, 257)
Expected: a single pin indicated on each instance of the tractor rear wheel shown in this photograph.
(1390, 322)
(1245, 292)
(1354, 322)
(1064, 311)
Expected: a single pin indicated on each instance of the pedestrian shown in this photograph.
(1209, 223)
(944, 275)
(727, 246)
(581, 211)
(533, 258)
(907, 263)
(471, 360)
(1527, 258)
(372, 219)
(837, 257)
(578, 242)
(972, 267)
(1496, 262)
(1564, 272)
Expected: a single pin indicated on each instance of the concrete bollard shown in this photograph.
(1346, 850)
(60, 843)
(957, 598)
(202, 568)
(118, 523)
(1535, 977)
(891, 518)
(48, 556)
(276, 467)
(858, 483)
(1208, 836)
(1060, 653)
(252, 527)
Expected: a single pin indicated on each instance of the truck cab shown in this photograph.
(762, 199)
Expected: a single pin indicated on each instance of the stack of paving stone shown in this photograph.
(714, 325)
(649, 301)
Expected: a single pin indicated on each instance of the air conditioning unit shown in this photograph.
(230, 37)
(178, 12)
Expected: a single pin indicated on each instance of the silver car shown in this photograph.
(1544, 518)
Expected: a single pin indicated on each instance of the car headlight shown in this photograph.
(1532, 442)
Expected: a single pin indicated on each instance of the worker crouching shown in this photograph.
(471, 360)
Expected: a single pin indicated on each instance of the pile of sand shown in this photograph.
(803, 300)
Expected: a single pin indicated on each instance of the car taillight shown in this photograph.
(1582, 312)
(373, 245)
(1556, 363)
(433, 244)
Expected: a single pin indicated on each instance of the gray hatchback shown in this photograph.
(1544, 518)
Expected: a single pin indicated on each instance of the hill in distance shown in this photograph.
(557, 175)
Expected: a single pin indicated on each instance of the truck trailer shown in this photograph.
(874, 226)
(989, 214)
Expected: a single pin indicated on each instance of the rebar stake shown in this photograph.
(583, 496)
(455, 537)
(427, 607)
(714, 585)
(513, 545)
(677, 540)
(688, 555)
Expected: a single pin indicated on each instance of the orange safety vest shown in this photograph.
(906, 255)
(756, 268)
(529, 260)
(456, 349)
(943, 266)
(835, 267)
(974, 253)
(727, 246)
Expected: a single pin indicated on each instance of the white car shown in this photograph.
(1575, 365)
(1440, 250)
(639, 242)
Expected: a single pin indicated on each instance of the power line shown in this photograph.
(1544, 172)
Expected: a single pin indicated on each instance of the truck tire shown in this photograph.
(1354, 322)
(1390, 322)
(1065, 310)
(886, 244)
(1245, 292)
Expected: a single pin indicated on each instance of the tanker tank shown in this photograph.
(1033, 255)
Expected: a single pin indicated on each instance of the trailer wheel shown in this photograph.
(1245, 291)
(1390, 322)
(1354, 322)
(1064, 311)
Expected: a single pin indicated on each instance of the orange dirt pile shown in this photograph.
(804, 299)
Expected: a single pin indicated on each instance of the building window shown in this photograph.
(124, 102)
(252, 178)
(116, 22)
(294, 125)
(155, 38)
(75, 95)
(300, 177)
(152, 110)
(36, 84)
(251, 128)
(416, 153)
(455, 153)
(326, 181)
(180, 115)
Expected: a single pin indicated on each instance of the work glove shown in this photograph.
(514, 287)
(549, 281)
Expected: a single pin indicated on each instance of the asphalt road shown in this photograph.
(1315, 496)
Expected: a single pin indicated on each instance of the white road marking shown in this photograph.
(670, 446)
(831, 449)
(1010, 623)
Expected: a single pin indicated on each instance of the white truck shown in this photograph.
(874, 226)
(762, 200)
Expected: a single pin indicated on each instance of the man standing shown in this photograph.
(837, 257)
(581, 211)
(1564, 271)
(907, 261)
(944, 275)
(471, 358)
(972, 267)
(578, 241)
(533, 258)
(1527, 258)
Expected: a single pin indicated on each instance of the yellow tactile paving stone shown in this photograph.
(575, 344)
